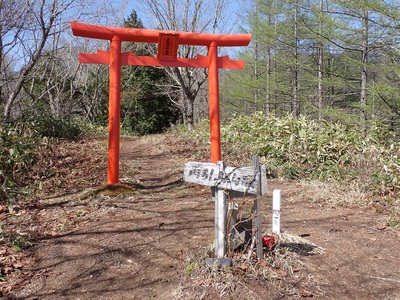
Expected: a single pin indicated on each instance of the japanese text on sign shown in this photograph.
(209, 174)
(168, 46)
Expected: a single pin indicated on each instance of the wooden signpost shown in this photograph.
(223, 180)
(245, 180)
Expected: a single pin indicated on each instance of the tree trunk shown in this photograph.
(320, 67)
(364, 61)
(190, 113)
(295, 83)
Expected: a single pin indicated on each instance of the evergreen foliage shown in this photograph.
(49, 126)
(321, 57)
(144, 109)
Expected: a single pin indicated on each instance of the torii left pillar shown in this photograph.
(114, 110)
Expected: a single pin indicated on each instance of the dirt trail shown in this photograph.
(128, 246)
(361, 258)
(135, 245)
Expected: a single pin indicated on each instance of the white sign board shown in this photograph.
(245, 180)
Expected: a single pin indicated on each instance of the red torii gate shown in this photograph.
(168, 42)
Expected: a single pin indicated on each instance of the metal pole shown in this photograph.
(257, 209)
(220, 219)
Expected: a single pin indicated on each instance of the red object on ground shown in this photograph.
(268, 241)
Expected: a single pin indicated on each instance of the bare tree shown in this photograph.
(36, 45)
(195, 16)
(12, 19)
(39, 26)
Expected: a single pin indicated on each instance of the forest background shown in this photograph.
(318, 98)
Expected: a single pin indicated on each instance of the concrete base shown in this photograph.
(219, 263)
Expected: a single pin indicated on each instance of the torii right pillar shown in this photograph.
(213, 90)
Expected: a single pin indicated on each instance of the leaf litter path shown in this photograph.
(127, 246)
(134, 245)
(361, 259)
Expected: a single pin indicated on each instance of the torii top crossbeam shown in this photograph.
(168, 42)
(151, 36)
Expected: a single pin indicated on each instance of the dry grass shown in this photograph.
(334, 194)
(279, 271)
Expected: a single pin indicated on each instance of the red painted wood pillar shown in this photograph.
(114, 110)
(213, 90)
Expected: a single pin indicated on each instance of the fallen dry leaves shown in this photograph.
(64, 168)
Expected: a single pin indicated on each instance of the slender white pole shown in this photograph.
(276, 211)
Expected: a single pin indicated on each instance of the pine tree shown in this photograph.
(144, 109)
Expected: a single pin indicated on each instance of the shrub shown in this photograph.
(49, 126)
(302, 148)
(18, 146)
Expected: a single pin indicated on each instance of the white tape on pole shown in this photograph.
(276, 211)
(221, 223)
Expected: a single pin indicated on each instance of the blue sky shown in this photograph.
(233, 20)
